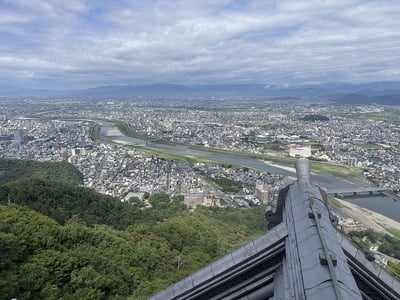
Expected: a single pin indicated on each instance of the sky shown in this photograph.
(77, 44)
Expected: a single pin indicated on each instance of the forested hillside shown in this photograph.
(11, 169)
(62, 241)
(61, 202)
(73, 255)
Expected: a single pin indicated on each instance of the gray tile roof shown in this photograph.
(301, 257)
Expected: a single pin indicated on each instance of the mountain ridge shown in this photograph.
(384, 92)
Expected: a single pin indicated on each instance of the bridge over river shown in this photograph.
(332, 184)
(301, 256)
(355, 191)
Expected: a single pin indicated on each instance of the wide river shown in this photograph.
(380, 204)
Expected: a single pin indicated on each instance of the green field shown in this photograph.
(389, 115)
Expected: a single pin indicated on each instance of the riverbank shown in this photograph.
(392, 195)
(275, 165)
(368, 218)
(190, 155)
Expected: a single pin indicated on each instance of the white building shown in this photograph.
(301, 151)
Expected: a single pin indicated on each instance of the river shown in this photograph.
(380, 204)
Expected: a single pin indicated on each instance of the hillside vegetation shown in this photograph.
(73, 243)
(62, 241)
(62, 202)
(11, 169)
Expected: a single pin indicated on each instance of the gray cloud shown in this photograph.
(75, 44)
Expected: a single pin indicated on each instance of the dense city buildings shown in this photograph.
(62, 130)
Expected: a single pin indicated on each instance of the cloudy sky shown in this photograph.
(73, 44)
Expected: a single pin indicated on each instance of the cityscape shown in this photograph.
(64, 131)
(92, 135)
(199, 149)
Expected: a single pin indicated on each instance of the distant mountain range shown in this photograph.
(385, 92)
